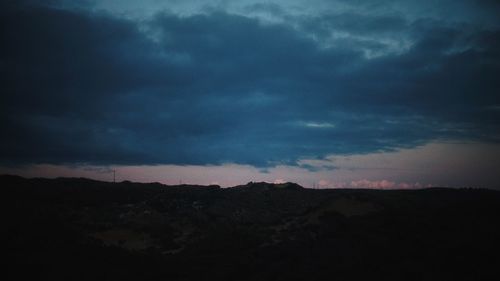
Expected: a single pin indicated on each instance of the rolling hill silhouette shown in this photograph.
(81, 229)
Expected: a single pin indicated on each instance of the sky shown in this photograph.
(328, 94)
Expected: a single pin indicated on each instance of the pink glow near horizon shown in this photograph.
(435, 164)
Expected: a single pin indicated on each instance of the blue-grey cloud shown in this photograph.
(80, 86)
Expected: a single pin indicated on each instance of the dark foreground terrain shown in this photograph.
(79, 229)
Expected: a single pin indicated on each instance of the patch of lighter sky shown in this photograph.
(437, 164)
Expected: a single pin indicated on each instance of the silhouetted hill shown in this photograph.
(81, 229)
(268, 186)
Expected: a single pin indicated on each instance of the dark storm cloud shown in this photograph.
(81, 86)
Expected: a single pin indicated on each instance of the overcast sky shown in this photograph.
(363, 93)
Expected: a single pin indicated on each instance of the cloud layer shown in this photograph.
(257, 84)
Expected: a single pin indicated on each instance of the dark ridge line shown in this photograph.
(247, 186)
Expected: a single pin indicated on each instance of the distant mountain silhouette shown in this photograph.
(269, 186)
(81, 229)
